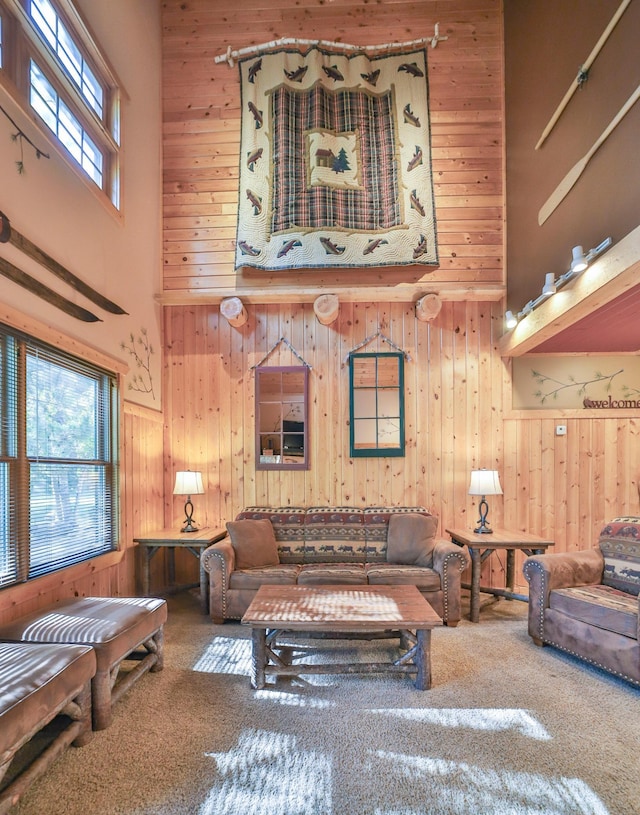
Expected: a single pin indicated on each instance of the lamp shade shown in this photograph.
(485, 482)
(188, 483)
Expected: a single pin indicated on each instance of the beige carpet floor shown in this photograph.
(507, 729)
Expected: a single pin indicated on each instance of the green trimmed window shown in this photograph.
(376, 404)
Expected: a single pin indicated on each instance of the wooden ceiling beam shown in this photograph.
(357, 294)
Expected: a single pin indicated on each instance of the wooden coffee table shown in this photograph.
(341, 610)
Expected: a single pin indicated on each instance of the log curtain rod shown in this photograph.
(230, 56)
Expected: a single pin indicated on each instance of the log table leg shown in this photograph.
(423, 659)
(476, 567)
(258, 657)
(511, 570)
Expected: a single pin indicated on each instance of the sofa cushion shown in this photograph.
(288, 528)
(411, 539)
(620, 546)
(390, 574)
(601, 606)
(254, 543)
(282, 575)
(376, 527)
(320, 574)
(334, 533)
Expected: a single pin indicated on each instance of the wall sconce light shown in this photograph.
(510, 320)
(484, 482)
(549, 287)
(188, 483)
(578, 261)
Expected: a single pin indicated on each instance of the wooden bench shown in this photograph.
(117, 628)
(39, 682)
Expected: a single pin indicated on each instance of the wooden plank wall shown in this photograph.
(202, 127)
(457, 419)
(453, 398)
(458, 389)
(142, 488)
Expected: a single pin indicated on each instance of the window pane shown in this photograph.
(92, 160)
(70, 56)
(62, 411)
(64, 524)
(8, 380)
(8, 566)
(45, 18)
(68, 53)
(59, 117)
(43, 99)
(388, 403)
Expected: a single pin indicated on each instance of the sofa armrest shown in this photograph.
(219, 561)
(557, 571)
(450, 561)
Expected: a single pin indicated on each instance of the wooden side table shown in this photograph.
(482, 546)
(194, 542)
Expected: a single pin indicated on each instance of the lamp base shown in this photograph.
(483, 528)
(189, 525)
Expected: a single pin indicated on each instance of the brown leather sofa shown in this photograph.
(586, 603)
(333, 545)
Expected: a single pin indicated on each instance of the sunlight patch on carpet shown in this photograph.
(494, 719)
(225, 655)
(269, 772)
(292, 699)
(464, 788)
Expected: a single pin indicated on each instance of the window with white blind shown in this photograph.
(58, 462)
(56, 68)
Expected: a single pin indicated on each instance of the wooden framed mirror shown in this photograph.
(282, 429)
(376, 404)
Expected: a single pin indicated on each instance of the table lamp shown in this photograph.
(484, 482)
(188, 483)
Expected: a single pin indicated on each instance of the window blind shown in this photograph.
(59, 482)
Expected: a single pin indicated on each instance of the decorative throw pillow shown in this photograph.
(411, 539)
(254, 543)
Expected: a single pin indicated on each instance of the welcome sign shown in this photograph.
(583, 382)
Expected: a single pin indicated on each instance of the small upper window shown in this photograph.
(59, 71)
(69, 54)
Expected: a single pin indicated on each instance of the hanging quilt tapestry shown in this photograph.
(335, 161)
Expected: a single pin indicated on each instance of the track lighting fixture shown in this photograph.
(579, 262)
(549, 287)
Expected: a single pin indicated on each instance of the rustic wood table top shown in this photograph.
(340, 608)
(173, 537)
(499, 539)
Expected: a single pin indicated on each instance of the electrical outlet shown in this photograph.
(561, 430)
